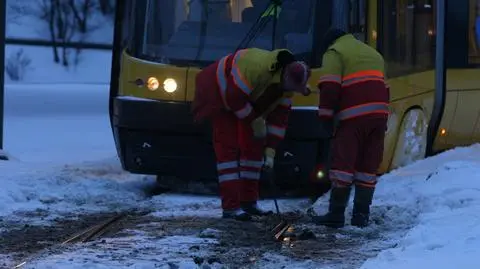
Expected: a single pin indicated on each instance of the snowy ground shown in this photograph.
(64, 167)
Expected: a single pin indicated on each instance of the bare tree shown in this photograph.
(17, 65)
(62, 26)
(107, 7)
(15, 10)
(66, 27)
(47, 13)
(82, 11)
(69, 19)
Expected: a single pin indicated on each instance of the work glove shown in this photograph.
(269, 157)
(259, 127)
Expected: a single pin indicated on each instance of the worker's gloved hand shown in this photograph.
(269, 158)
(259, 127)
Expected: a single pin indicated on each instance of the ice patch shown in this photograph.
(172, 205)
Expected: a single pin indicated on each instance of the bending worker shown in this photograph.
(247, 96)
(353, 90)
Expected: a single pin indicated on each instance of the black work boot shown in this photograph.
(361, 206)
(236, 214)
(335, 218)
(253, 209)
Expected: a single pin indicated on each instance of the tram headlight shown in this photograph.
(152, 83)
(170, 85)
(320, 174)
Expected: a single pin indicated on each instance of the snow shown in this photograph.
(35, 114)
(446, 201)
(93, 67)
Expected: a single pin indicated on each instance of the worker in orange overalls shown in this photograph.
(247, 96)
(353, 91)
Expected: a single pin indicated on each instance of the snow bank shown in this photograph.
(71, 189)
(63, 154)
(441, 196)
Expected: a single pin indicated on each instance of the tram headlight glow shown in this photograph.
(320, 174)
(152, 83)
(170, 85)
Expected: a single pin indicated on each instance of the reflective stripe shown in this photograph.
(244, 112)
(275, 130)
(222, 80)
(330, 78)
(365, 177)
(365, 184)
(367, 75)
(249, 175)
(361, 79)
(238, 78)
(363, 73)
(325, 112)
(363, 109)
(287, 102)
(228, 177)
(249, 163)
(341, 175)
(227, 165)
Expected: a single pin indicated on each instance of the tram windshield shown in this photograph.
(198, 32)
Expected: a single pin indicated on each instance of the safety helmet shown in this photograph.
(295, 77)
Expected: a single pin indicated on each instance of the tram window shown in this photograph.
(474, 32)
(408, 36)
(199, 32)
(358, 15)
(127, 25)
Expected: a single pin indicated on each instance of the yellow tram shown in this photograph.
(160, 45)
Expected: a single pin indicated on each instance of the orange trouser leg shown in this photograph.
(251, 162)
(225, 142)
(371, 155)
(344, 154)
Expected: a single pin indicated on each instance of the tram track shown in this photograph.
(234, 243)
(95, 231)
(111, 225)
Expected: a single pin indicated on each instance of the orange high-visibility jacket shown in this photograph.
(247, 84)
(352, 83)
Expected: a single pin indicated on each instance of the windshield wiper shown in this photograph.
(260, 23)
(203, 29)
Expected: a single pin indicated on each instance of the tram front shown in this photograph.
(160, 46)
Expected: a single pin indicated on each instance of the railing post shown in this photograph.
(440, 78)
(3, 19)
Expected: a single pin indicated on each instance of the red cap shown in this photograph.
(296, 76)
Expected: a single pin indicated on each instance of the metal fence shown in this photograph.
(45, 43)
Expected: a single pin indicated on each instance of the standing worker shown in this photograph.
(247, 96)
(353, 92)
